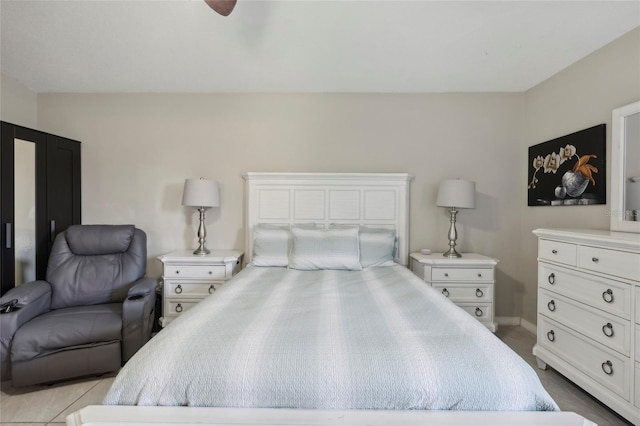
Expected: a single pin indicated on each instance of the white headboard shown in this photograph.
(371, 199)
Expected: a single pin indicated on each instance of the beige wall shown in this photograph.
(581, 96)
(137, 149)
(18, 104)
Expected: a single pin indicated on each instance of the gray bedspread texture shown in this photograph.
(374, 339)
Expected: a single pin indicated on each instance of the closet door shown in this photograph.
(37, 171)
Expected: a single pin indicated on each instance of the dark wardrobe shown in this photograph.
(39, 197)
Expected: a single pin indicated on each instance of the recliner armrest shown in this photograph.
(137, 316)
(34, 298)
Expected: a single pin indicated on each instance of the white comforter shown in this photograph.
(373, 339)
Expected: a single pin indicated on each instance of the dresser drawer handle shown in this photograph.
(551, 305)
(210, 273)
(178, 307)
(479, 312)
(212, 289)
(445, 292)
(551, 336)
(446, 274)
(479, 293)
(177, 271)
(554, 251)
(479, 275)
(178, 289)
(608, 326)
(595, 259)
(552, 279)
(607, 367)
(607, 296)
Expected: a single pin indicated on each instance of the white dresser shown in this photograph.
(189, 278)
(589, 313)
(468, 281)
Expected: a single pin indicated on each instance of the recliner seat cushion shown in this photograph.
(66, 329)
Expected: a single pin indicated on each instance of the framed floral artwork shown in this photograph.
(569, 170)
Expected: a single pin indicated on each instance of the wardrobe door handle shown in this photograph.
(52, 230)
(552, 279)
(7, 243)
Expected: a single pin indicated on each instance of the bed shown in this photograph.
(306, 335)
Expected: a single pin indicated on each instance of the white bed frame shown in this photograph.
(371, 199)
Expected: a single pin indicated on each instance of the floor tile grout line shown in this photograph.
(76, 400)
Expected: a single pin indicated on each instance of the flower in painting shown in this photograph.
(551, 163)
(538, 162)
(586, 169)
(566, 153)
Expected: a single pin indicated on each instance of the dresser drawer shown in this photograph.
(466, 292)
(462, 274)
(606, 329)
(602, 293)
(610, 369)
(481, 311)
(185, 288)
(213, 272)
(174, 307)
(611, 262)
(556, 251)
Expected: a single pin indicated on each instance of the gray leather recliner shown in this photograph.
(93, 312)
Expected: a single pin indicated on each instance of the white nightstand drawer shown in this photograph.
(213, 272)
(189, 289)
(176, 307)
(462, 274)
(602, 293)
(466, 292)
(606, 329)
(556, 251)
(480, 311)
(607, 367)
(613, 262)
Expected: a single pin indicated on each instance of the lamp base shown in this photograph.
(202, 235)
(201, 251)
(453, 236)
(451, 252)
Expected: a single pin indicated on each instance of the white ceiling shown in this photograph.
(301, 46)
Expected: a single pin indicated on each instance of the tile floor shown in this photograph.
(49, 405)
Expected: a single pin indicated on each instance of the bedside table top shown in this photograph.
(467, 259)
(187, 256)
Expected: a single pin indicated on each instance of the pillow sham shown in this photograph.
(314, 249)
(377, 245)
(272, 243)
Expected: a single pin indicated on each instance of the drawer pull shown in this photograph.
(178, 307)
(212, 289)
(177, 272)
(552, 279)
(479, 312)
(595, 259)
(479, 293)
(446, 274)
(445, 292)
(551, 305)
(551, 336)
(210, 272)
(607, 367)
(479, 275)
(607, 296)
(554, 251)
(608, 326)
(178, 289)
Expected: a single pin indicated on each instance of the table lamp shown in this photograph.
(201, 193)
(455, 194)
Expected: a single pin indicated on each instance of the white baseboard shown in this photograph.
(529, 326)
(508, 320)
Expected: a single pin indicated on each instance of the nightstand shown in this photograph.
(189, 278)
(468, 281)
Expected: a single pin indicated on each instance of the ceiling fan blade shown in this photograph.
(223, 7)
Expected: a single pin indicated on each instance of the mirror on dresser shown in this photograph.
(625, 169)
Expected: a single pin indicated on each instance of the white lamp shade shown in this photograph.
(458, 193)
(201, 193)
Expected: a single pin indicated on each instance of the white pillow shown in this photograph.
(314, 249)
(377, 247)
(271, 245)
